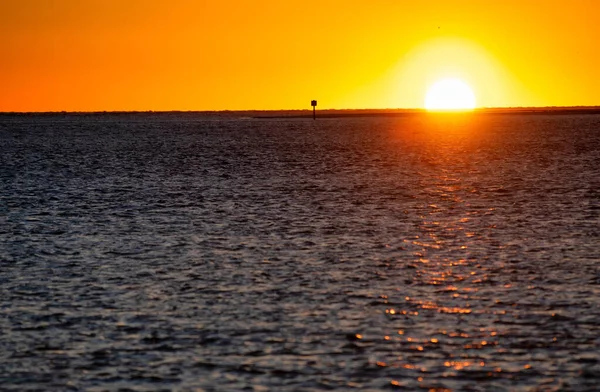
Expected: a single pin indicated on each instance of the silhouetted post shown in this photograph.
(313, 103)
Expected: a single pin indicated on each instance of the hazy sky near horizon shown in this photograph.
(80, 55)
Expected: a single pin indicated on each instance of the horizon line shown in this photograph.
(582, 108)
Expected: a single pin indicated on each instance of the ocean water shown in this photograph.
(145, 252)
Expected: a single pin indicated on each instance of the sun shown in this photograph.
(450, 94)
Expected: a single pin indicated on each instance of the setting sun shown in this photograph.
(450, 94)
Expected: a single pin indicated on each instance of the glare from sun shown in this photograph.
(450, 94)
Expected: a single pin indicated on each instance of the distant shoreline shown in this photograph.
(325, 113)
(335, 113)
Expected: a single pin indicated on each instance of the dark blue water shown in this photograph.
(180, 252)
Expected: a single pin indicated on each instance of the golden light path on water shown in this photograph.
(453, 287)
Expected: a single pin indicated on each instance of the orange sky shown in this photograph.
(80, 55)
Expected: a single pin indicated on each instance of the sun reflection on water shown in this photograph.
(448, 273)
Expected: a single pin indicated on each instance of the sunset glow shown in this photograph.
(239, 54)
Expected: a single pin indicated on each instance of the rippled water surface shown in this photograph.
(179, 252)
